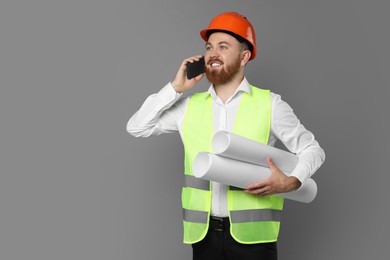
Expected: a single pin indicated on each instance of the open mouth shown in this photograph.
(215, 63)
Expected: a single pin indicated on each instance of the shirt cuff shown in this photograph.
(300, 173)
(168, 94)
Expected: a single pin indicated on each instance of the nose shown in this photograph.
(212, 55)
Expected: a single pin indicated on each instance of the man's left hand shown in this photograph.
(277, 182)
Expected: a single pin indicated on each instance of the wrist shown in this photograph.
(293, 183)
(176, 88)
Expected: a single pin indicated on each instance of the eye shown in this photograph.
(222, 47)
(208, 48)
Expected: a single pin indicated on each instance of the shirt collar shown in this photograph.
(244, 87)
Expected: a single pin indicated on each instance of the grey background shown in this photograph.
(75, 185)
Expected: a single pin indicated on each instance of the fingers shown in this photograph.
(189, 60)
(259, 188)
(193, 59)
(257, 185)
(277, 182)
(268, 186)
(261, 192)
(181, 83)
(198, 78)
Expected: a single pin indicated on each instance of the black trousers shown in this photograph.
(220, 245)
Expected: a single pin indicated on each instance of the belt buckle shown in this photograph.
(219, 221)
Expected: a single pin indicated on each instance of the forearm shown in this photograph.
(150, 119)
(310, 159)
(288, 128)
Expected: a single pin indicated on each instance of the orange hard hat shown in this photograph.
(234, 23)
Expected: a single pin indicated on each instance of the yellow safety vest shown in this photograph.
(253, 219)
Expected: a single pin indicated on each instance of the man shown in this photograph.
(223, 222)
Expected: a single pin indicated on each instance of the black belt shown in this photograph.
(219, 224)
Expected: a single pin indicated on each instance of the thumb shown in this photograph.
(271, 164)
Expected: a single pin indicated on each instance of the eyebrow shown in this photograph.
(219, 43)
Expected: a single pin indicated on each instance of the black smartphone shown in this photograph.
(195, 68)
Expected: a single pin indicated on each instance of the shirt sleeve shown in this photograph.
(160, 113)
(289, 130)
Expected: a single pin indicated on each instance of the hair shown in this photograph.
(245, 45)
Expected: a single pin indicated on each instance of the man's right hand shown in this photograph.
(181, 83)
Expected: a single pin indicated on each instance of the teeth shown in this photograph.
(215, 64)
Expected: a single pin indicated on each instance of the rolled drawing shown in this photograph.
(240, 174)
(244, 149)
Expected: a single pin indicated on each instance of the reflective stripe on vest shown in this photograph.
(253, 215)
(195, 216)
(253, 219)
(196, 183)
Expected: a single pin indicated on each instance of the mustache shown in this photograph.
(214, 60)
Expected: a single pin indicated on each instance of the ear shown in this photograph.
(245, 56)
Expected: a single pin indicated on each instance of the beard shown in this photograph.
(224, 75)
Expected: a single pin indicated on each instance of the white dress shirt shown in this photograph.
(164, 112)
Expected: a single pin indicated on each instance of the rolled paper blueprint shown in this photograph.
(240, 174)
(244, 149)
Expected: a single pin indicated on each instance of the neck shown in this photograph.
(225, 91)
